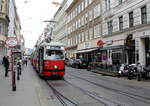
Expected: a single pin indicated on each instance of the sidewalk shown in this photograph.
(29, 91)
(106, 73)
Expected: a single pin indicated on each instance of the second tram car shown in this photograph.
(48, 59)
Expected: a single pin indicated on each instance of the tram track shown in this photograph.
(62, 99)
(127, 94)
(96, 96)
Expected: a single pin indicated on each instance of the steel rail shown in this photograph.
(131, 95)
(96, 96)
(63, 100)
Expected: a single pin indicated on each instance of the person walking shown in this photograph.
(26, 61)
(139, 71)
(6, 65)
(4, 58)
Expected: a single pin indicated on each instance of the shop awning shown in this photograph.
(112, 47)
(86, 50)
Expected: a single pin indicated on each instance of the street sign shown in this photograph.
(11, 42)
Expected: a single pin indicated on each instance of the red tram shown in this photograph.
(48, 59)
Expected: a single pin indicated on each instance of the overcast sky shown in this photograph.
(32, 13)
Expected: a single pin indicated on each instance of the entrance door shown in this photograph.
(147, 49)
(131, 52)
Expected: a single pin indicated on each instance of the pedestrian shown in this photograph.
(6, 65)
(26, 61)
(4, 58)
(139, 71)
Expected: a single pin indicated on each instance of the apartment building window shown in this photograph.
(82, 20)
(110, 27)
(144, 15)
(107, 4)
(76, 11)
(99, 30)
(82, 36)
(95, 31)
(99, 9)
(79, 8)
(91, 33)
(76, 39)
(86, 3)
(121, 23)
(82, 6)
(1, 28)
(120, 1)
(90, 15)
(79, 22)
(131, 20)
(79, 40)
(86, 35)
(90, 1)
(0, 5)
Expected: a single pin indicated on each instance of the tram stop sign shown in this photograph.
(11, 42)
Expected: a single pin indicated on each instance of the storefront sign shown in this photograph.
(87, 45)
(100, 43)
(11, 42)
(109, 42)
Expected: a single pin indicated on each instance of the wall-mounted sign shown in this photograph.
(11, 42)
(87, 45)
(109, 42)
(100, 43)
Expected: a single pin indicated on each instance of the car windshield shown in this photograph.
(54, 54)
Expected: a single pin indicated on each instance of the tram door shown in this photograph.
(41, 55)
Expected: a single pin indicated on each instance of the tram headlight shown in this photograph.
(55, 66)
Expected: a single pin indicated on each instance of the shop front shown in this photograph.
(112, 57)
(87, 54)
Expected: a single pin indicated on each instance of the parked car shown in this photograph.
(80, 63)
(70, 62)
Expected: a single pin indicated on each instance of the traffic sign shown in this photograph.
(11, 42)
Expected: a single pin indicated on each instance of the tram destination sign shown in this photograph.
(54, 47)
(11, 42)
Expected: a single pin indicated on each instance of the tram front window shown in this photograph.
(54, 54)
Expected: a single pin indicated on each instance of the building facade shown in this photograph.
(4, 23)
(110, 32)
(14, 29)
(126, 32)
(84, 21)
(60, 27)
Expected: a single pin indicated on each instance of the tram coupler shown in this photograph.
(14, 81)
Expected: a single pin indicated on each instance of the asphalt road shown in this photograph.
(83, 88)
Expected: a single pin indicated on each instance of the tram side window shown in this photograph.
(54, 54)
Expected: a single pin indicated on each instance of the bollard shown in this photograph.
(14, 81)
